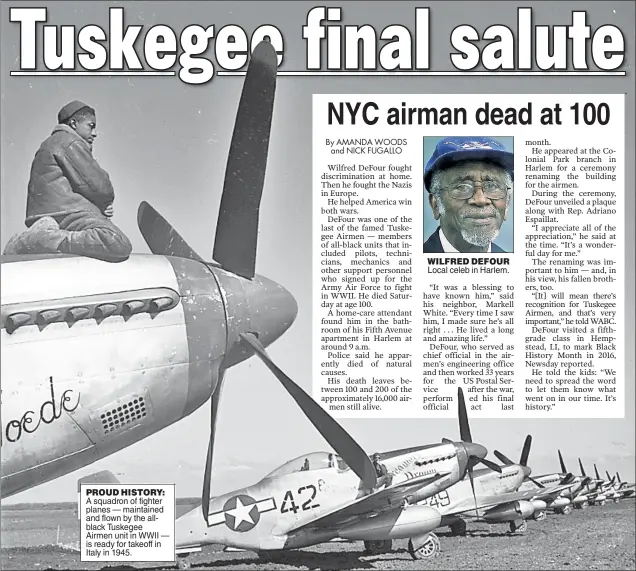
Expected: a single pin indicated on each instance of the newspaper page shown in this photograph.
(337, 285)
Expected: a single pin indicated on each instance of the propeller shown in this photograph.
(245, 170)
(475, 452)
(568, 477)
(351, 452)
(235, 253)
(523, 461)
(563, 468)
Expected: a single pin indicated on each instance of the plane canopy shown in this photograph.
(313, 461)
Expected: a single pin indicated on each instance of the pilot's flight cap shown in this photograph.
(70, 109)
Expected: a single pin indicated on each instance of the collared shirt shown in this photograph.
(448, 247)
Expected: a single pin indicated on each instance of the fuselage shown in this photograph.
(99, 355)
(553, 480)
(292, 496)
(489, 484)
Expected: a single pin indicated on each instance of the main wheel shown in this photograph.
(567, 510)
(429, 549)
(540, 516)
(458, 528)
(377, 547)
(270, 555)
(183, 562)
(521, 528)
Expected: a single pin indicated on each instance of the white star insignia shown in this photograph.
(241, 513)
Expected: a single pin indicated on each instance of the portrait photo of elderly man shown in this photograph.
(469, 183)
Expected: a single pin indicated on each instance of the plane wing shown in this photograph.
(373, 504)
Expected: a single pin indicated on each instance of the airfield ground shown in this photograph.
(596, 538)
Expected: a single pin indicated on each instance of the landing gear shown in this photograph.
(539, 516)
(183, 562)
(616, 500)
(519, 526)
(601, 503)
(378, 547)
(458, 527)
(426, 549)
(567, 510)
(270, 556)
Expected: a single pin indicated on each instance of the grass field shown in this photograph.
(600, 537)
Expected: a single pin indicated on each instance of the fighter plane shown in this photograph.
(318, 497)
(589, 491)
(625, 489)
(563, 503)
(495, 498)
(97, 355)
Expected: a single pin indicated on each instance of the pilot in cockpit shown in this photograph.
(384, 476)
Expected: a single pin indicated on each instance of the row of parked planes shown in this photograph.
(399, 494)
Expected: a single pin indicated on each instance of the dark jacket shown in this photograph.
(65, 178)
(434, 245)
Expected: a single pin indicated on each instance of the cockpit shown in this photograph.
(313, 461)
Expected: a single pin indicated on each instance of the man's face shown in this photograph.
(471, 223)
(85, 127)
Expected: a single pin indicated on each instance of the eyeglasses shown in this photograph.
(465, 190)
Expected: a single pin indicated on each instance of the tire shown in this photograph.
(377, 547)
(458, 528)
(428, 550)
(521, 528)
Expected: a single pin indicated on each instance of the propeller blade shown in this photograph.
(333, 433)
(504, 459)
(472, 485)
(563, 469)
(160, 236)
(207, 475)
(582, 469)
(237, 224)
(618, 476)
(526, 451)
(607, 474)
(491, 465)
(596, 472)
(464, 428)
(447, 441)
(535, 482)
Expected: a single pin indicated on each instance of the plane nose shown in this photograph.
(260, 306)
(526, 471)
(272, 309)
(476, 450)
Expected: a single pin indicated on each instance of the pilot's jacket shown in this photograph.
(67, 195)
(65, 178)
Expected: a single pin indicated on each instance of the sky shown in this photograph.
(167, 143)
